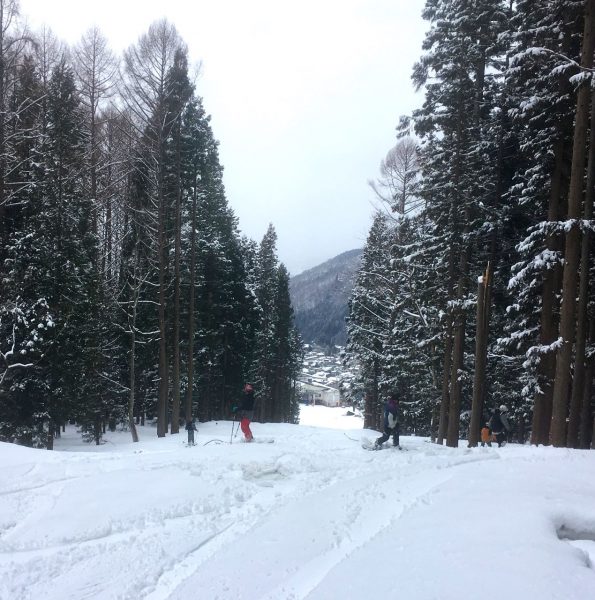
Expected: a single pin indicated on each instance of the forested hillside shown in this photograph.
(126, 289)
(476, 287)
(319, 297)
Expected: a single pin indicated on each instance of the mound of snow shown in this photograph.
(311, 516)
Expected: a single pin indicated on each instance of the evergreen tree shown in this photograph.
(287, 353)
(369, 316)
(541, 108)
(113, 212)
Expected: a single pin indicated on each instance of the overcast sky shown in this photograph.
(304, 98)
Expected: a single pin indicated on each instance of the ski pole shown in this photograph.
(233, 423)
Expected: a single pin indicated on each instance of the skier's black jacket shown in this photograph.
(247, 402)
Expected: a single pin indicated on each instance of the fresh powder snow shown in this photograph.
(310, 516)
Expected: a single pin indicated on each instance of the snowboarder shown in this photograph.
(391, 422)
(486, 435)
(191, 428)
(245, 411)
(499, 425)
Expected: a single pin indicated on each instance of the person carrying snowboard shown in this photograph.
(391, 423)
(245, 411)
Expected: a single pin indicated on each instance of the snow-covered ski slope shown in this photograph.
(312, 516)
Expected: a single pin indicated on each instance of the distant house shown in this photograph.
(317, 393)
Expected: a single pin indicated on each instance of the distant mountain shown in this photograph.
(319, 297)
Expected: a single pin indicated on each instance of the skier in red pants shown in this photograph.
(245, 411)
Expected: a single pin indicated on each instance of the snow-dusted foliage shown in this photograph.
(127, 292)
(495, 137)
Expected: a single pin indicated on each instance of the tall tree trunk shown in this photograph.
(3, 225)
(458, 357)
(578, 382)
(445, 401)
(189, 391)
(481, 348)
(175, 419)
(454, 409)
(458, 317)
(460, 320)
(107, 259)
(378, 420)
(571, 255)
(546, 370)
(93, 162)
(446, 364)
(163, 366)
(585, 428)
(49, 440)
(371, 400)
(132, 366)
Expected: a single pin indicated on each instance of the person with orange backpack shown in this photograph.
(486, 435)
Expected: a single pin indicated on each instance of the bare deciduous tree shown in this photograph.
(399, 171)
(96, 68)
(147, 90)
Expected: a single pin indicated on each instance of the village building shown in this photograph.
(317, 393)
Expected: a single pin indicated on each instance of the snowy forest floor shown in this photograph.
(311, 516)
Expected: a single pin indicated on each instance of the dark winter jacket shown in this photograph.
(246, 407)
(499, 423)
(496, 422)
(391, 420)
(190, 426)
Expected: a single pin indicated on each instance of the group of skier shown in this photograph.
(494, 430)
(497, 428)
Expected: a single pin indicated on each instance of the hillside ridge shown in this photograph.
(320, 296)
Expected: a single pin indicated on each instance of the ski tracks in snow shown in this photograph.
(308, 506)
(301, 539)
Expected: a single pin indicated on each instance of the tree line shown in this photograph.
(127, 289)
(476, 284)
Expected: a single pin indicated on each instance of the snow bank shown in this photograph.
(310, 516)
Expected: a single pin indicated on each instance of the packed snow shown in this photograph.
(311, 516)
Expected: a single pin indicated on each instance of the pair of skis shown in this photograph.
(253, 441)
